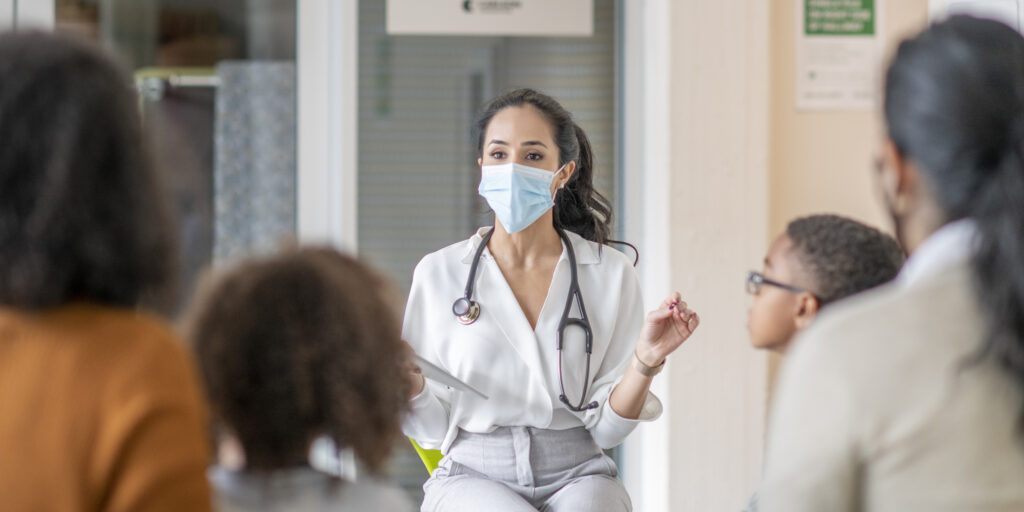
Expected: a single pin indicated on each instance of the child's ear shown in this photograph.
(807, 309)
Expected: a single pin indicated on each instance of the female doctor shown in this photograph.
(535, 313)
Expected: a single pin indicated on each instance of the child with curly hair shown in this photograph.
(293, 348)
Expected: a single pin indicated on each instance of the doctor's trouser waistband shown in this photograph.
(529, 456)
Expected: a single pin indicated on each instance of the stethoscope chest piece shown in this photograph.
(467, 311)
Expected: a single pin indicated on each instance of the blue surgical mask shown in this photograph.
(517, 193)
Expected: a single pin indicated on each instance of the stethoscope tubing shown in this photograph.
(466, 310)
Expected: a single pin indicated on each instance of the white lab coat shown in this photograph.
(516, 366)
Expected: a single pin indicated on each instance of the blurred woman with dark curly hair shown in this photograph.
(293, 348)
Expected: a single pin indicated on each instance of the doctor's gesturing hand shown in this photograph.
(664, 330)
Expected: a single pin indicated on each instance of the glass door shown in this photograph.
(218, 93)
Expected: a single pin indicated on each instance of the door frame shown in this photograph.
(645, 170)
(328, 110)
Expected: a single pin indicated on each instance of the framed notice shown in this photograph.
(491, 17)
(838, 54)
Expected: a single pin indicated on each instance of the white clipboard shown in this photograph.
(436, 374)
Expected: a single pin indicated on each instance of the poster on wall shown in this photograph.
(491, 17)
(838, 54)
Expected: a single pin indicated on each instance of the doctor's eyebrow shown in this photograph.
(527, 143)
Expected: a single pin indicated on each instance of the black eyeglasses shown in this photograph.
(755, 280)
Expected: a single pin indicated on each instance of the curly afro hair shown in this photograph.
(302, 345)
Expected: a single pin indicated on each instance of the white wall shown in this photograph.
(38, 14)
(6, 14)
(705, 219)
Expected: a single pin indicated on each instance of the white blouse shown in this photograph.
(514, 365)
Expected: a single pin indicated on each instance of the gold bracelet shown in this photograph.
(643, 369)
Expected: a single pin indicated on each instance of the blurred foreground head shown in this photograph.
(298, 346)
(82, 217)
(954, 111)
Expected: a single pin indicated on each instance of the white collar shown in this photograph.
(586, 251)
(953, 244)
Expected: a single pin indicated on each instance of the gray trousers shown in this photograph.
(525, 469)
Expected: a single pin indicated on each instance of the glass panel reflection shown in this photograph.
(217, 83)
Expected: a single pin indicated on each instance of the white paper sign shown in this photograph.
(838, 54)
(491, 17)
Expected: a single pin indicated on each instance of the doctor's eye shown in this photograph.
(534, 156)
(497, 155)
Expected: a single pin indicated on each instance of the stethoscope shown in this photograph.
(467, 311)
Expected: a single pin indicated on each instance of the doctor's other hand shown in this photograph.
(416, 380)
(665, 329)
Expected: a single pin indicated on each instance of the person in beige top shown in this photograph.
(910, 396)
(818, 261)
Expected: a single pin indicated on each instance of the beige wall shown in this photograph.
(741, 162)
(717, 149)
(822, 161)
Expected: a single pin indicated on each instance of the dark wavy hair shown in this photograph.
(82, 216)
(579, 207)
(842, 256)
(297, 346)
(954, 105)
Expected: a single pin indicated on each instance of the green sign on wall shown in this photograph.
(839, 17)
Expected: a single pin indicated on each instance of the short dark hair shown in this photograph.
(301, 345)
(82, 216)
(843, 256)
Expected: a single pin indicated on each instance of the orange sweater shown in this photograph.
(100, 410)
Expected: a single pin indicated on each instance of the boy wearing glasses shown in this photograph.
(818, 260)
